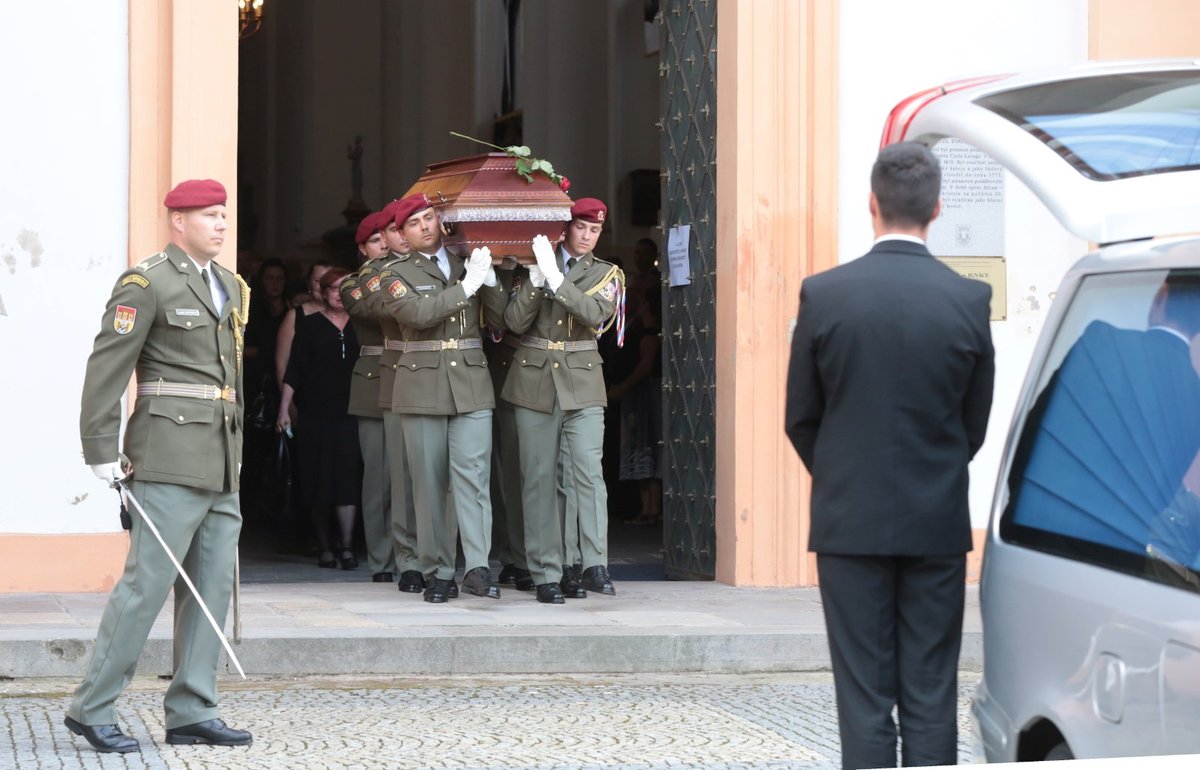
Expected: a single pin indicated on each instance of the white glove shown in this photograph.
(489, 280)
(478, 265)
(543, 252)
(109, 473)
(536, 277)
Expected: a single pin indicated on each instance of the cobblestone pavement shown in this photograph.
(595, 722)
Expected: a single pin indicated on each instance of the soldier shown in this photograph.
(364, 404)
(557, 389)
(404, 515)
(444, 394)
(508, 520)
(177, 319)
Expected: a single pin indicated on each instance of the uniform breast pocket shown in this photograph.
(586, 378)
(419, 387)
(179, 436)
(531, 357)
(189, 337)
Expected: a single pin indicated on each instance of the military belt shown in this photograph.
(569, 346)
(371, 350)
(435, 346)
(184, 390)
(394, 345)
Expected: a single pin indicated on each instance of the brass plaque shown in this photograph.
(990, 270)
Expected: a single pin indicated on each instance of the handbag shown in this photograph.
(262, 413)
(277, 481)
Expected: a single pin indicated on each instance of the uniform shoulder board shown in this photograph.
(140, 280)
(349, 282)
(152, 261)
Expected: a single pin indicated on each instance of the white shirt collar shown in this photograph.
(1174, 332)
(214, 283)
(898, 237)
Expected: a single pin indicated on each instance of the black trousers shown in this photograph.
(895, 627)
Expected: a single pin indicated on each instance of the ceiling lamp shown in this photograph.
(249, 17)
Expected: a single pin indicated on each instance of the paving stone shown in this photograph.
(634, 722)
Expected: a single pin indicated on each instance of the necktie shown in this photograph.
(204, 276)
(570, 263)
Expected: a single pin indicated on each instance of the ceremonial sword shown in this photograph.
(183, 574)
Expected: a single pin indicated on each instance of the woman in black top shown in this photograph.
(318, 379)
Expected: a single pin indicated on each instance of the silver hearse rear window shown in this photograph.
(1112, 126)
(1107, 470)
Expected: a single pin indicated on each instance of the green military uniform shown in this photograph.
(508, 522)
(404, 514)
(364, 405)
(557, 387)
(444, 395)
(184, 440)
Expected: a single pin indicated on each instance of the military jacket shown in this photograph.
(161, 323)
(365, 380)
(500, 351)
(584, 306)
(390, 329)
(430, 308)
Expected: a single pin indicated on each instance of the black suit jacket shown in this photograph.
(888, 395)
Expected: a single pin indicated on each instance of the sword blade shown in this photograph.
(183, 574)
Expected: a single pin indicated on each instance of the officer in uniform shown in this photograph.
(444, 394)
(557, 388)
(508, 520)
(176, 319)
(364, 405)
(404, 514)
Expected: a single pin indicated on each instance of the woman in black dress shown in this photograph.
(318, 380)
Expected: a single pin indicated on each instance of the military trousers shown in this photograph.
(201, 528)
(508, 519)
(451, 453)
(568, 509)
(376, 496)
(543, 439)
(404, 513)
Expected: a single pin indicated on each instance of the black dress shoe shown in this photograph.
(453, 590)
(411, 582)
(214, 732)
(508, 575)
(524, 581)
(597, 579)
(570, 584)
(479, 582)
(105, 738)
(349, 562)
(381, 577)
(438, 591)
(549, 593)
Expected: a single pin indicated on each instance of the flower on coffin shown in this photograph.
(527, 165)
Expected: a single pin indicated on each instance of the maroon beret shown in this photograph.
(407, 206)
(196, 193)
(370, 224)
(589, 210)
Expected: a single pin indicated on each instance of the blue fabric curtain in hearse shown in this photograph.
(1102, 469)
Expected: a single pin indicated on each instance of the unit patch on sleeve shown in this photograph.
(373, 284)
(610, 290)
(123, 319)
(398, 289)
(356, 293)
(140, 280)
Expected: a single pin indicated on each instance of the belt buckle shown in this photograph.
(450, 344)
(555, 345)
(225, 394)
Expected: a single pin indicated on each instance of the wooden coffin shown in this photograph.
(484, 202)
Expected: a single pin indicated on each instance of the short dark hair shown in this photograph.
(906, 180)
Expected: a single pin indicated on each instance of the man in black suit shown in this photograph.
(888, 394)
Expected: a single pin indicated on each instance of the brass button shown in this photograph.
(555, 364)
(560, 322)
(189, 323)
(454, 363)
(589, 366)
(181, 418)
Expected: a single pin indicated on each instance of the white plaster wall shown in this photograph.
(889, 51)
(64, 179)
